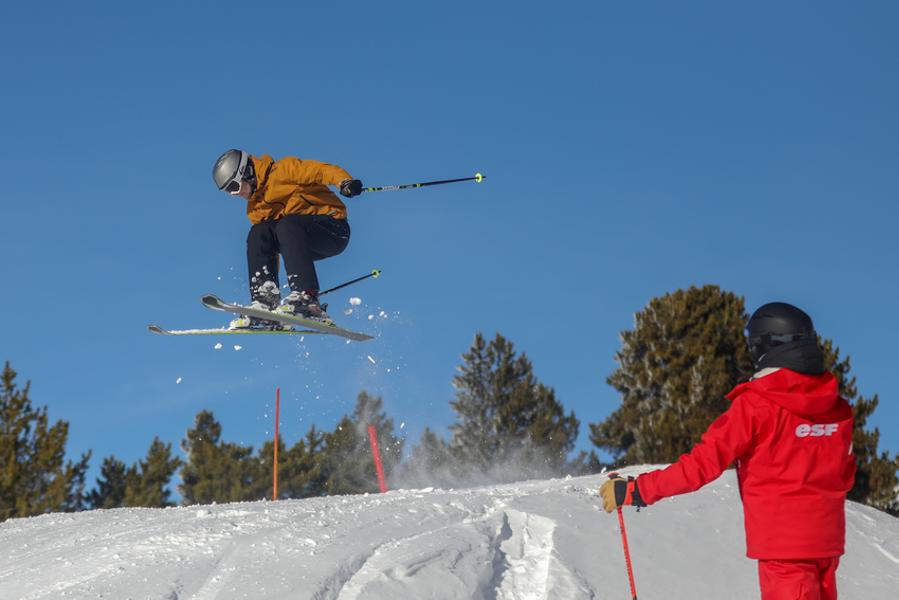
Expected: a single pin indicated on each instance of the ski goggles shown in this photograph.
(244, 171)
(233, 187)
(759, 343)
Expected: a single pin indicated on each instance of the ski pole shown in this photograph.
(407, 186)
(627, 555)
(627, 551)
(375, 273)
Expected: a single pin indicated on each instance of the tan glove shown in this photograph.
(618, 491)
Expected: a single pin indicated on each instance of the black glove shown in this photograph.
(350, 188)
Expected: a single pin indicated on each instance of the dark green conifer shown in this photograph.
(585, 463)
(299, 471)
(875, 479)
(346, 461)
(35, 478)
(147, 482)
(430, 463)
(216, 471)
(110, 490)
(686, 351)
(302, 466)
(506, 417)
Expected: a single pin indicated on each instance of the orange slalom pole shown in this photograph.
(376, 456)
(275, 461)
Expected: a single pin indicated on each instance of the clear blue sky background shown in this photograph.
(631, 148)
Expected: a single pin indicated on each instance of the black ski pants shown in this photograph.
(301, 240)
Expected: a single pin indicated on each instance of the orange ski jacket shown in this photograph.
(291, 186)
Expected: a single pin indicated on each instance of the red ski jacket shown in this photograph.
(791, 437)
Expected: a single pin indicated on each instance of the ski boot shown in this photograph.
(265, 297)
(305, 304)
(246, 322)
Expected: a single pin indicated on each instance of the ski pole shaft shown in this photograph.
(375, 273)
(627, 555)
(407, 186)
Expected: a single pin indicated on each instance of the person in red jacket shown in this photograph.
(790, 434)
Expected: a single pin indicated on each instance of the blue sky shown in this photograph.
(631, 149)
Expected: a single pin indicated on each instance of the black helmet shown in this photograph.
(781, 335)
(232, 167)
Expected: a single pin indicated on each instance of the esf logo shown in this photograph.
(816, 430)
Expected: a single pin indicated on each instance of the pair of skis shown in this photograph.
(296, 325)
(306, 326)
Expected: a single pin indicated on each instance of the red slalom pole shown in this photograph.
(627, 555)
(376, 456)
(275, 461)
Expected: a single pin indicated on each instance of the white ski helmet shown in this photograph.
(232, 167)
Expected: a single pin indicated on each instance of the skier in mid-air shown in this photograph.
(293, 214)
(790, 433)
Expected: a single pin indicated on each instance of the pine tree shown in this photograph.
(302, 469)
(509, 425)
(430, 463)
(147, 481)
(346, 461)
(875, 479)
(35, 478)
(216, 471)
(299, 469)
(585, 463)
(686, 351)
(143, 484)
(110, 490)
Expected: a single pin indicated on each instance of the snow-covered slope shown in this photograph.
(538, 539)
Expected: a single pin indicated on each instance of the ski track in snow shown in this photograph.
(522, 541)
(885, 553)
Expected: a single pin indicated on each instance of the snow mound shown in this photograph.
(529, 540)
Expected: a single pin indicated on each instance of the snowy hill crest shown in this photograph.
(530, 540)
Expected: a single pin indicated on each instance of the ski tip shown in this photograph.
(156, 329)
(213, 301)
